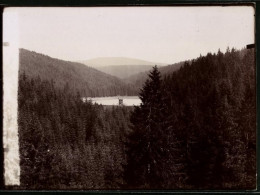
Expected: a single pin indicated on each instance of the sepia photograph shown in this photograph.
(129, 98)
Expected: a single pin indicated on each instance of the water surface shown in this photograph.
(114, 100)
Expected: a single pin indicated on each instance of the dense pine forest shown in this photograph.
(195, 129)
(68, 144)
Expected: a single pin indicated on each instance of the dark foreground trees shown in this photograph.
(146, 153)
(196, 129)
(68, 144)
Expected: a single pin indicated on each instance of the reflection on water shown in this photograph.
(109, 101)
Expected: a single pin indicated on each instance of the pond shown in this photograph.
(114, 100)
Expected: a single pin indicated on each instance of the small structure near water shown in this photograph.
(120, 101)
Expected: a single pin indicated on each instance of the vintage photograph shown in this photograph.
(129, 98)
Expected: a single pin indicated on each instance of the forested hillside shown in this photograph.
(196, 128)
(139, 79)
(68, 144)
(73, 76)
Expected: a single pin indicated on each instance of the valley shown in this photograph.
(153, 130)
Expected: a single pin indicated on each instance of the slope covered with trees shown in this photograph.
(139, 79)
(68, 144)
(196, 128)
(74, 76)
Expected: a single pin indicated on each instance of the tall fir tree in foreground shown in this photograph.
(145, 146)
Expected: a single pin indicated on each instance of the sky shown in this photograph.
(157, 34)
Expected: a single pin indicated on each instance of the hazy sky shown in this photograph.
(157, 34)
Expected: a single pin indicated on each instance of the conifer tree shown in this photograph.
(146, 141)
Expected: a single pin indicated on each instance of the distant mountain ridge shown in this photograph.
(120, 67)
(116, 61)
(72, 76)
(88, 81)
(124, 71)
